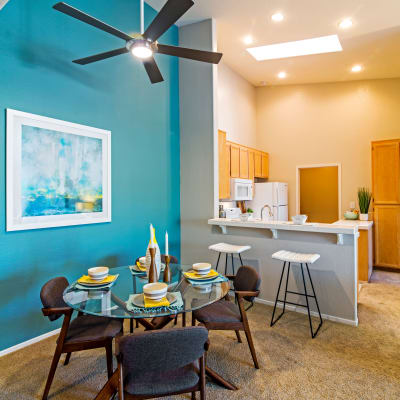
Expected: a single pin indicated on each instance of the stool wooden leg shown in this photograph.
(226, 263)
(240, 258)
(233, 265)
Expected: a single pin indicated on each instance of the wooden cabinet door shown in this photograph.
(244, 163)
(264, 165)
(224, 170)
(257, 164)
(387, 235)
(386, 172)
(235, 160)
(251, 165)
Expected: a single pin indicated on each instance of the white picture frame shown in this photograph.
(97, 148)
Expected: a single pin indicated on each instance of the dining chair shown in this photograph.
(226, 315)
(81, 333)
(158, 364)
(158, 322)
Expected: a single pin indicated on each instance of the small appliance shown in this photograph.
(232, 213)
(241, 189)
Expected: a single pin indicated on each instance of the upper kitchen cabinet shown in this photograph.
(235, 160)
(251, 164)
(264, 165)
(257, 164)
(224, 166)
(386, 172)
(244, 163)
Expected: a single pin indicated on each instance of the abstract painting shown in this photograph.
(58, 173)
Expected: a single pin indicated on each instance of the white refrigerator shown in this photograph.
(273, 194)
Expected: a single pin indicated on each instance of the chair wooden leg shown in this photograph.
(193, 320)
(193, 396)
(67, 357)
(203, 378)
(137, 324)
(176, 320)
(109, 356)
(251, 345)
(239, 339)
(52, 371)
(183, 320)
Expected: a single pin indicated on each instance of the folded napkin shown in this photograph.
(173, 308)
(218, 279)
(149, 303)
(194, 275)
(88, 279)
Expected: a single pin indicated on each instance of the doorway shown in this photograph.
(319, 192)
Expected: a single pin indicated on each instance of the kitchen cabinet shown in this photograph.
(387, 235)
(386, 201)
(257, 164)
(243, 163)
(386, 172)
(251, 164)
(235, 160)
(224, 166)
(264, 165)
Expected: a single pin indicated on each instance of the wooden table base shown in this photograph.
(218, 379)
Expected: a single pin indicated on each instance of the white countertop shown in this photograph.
(362, 225)
(337, 227)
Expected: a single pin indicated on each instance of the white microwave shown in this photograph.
(241, 189)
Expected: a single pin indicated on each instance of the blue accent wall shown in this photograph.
(37, 45)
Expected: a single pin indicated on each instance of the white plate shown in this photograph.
(138, 300)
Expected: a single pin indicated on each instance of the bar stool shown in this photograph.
(229, 249)
(289, 257)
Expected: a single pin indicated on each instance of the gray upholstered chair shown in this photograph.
(82, 333)
(226, 315)
(159, 363)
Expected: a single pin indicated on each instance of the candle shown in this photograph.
(151, 236)
(166, 243)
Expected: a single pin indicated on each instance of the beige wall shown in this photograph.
(236, 107)
(326, 123)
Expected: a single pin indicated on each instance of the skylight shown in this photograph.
(324, 44)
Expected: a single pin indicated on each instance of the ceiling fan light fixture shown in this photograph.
(141, 48)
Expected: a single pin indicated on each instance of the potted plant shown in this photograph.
(248, 214)
(364, 200)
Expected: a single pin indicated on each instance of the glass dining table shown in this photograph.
(112, 301)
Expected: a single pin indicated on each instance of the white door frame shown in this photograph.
(299, 167)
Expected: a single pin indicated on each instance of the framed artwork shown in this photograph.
(58, 173)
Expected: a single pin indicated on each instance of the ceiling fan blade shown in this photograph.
(75, 13)
(192, 54)
(168, 15)
(101, 56)
(152, 70)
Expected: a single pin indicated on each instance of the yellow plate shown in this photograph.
(89, 281)
(193, 275)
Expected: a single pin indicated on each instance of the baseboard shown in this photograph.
(313, 313)
(29, 342)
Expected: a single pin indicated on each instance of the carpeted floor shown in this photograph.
(343, 362)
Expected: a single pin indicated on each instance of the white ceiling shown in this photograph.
(373, 41)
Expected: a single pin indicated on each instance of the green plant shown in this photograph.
(364, 199)
(249, 210)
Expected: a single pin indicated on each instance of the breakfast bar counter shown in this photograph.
(335, 274)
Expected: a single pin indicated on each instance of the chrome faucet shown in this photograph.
(269, 211)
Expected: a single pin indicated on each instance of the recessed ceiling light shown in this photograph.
(277, 17)
(248, 39)
(345, 23)
(356, 68)
(282, 75)
(324, 44)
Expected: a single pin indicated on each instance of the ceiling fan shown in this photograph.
(145, 44)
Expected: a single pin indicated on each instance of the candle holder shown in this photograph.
(167, 270)
(152, 268)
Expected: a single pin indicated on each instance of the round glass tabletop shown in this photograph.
(113, 301)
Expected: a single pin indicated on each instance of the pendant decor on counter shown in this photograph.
(157, 255)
